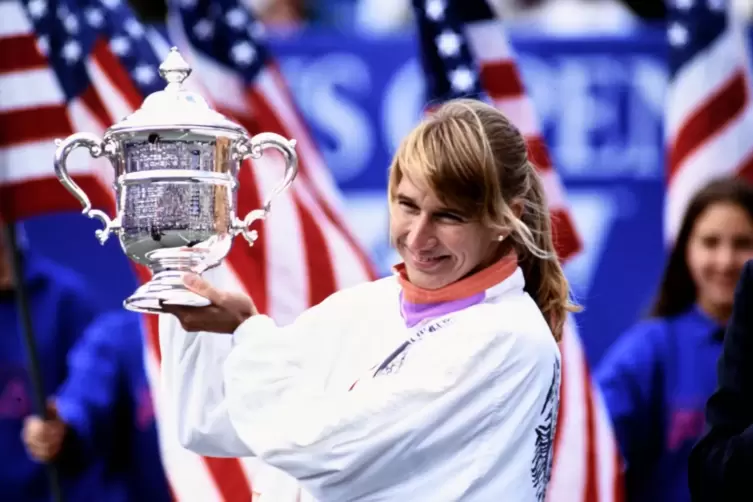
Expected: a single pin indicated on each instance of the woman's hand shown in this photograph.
(224, 315)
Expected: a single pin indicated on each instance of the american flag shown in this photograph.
(708, 116)
(465, 53)
(82, 65)
(53, 67)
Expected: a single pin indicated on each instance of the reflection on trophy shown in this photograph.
(176, 163)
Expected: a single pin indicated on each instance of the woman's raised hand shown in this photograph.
(226, 312)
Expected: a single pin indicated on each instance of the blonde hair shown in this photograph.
(476, 161)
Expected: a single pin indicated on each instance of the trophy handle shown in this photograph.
(96, 149)
(255, 149)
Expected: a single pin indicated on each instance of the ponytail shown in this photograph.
(544, 277)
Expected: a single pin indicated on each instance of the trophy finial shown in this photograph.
(174, 69)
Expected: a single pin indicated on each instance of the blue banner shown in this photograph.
(600, 102)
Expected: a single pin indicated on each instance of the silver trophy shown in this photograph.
(176, 164)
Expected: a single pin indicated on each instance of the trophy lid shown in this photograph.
(175, 107)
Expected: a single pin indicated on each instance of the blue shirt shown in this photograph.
(107, 402)
(656, 379)
(60, 309)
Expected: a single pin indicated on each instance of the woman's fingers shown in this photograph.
(201, 287)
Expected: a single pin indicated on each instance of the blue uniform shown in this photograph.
(61, 309)
(106, 401)
(656, 379)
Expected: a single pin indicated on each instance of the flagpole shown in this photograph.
(32, 355)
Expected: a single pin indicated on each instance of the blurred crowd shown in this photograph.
(554, 16)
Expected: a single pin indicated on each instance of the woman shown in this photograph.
(439, 383)
(657, 377)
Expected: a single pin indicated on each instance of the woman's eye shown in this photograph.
(450, 217)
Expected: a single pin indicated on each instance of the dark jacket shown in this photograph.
(721, 463)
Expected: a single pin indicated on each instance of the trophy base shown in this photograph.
(165, 288)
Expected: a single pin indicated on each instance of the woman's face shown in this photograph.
(720, 243)
(438, 245)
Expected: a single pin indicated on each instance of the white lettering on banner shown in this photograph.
(602, 115)
(403, 103)
(344, 131)
(595, 212)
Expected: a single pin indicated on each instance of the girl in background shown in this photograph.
(657, 377)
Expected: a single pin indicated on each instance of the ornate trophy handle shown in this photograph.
(254, 149)
(96, 148)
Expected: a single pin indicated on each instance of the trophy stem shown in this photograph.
(166, 287)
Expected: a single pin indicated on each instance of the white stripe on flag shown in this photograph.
(15, 21)
(29, 89)
(287, 287)
(568, 475)
(488, 42)
(520, 111)
(699, 80)
(722, 155)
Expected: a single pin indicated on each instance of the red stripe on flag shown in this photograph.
(618, 489)
(34, 124)
(117, 74)
(93, 102)
(708, 120)
(746, 169)
(591, 481)
(20, 52)
(267, 119)
(321, 275)
(538, 153)
(567, 241)
(249, 262)
(22, 200)
(501, 79)
(231, 480)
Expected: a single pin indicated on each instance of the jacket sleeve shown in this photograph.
(721, 463)
(629, 377)
(87, 400)
(192, 378)
(346, 444)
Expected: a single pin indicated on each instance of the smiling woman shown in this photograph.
(438, 383)
(460, 185)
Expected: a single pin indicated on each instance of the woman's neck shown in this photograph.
(719, 313)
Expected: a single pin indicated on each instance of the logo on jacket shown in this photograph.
(14, 397)
(541, 467)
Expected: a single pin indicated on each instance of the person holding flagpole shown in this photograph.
(440, 382)
(62, 308)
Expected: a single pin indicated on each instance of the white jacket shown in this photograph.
(465, 413)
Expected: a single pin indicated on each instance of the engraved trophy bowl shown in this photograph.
(176, 168)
